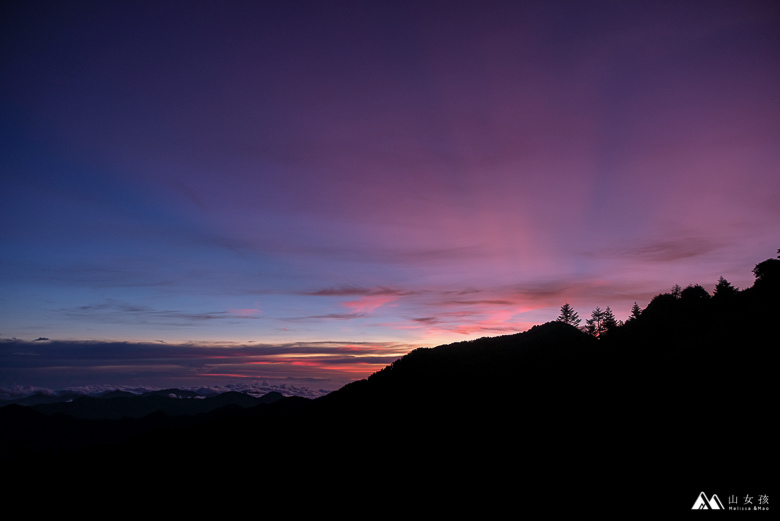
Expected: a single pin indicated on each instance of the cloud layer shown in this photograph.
(305, 369)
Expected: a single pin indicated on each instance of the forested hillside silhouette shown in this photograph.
(649, 412)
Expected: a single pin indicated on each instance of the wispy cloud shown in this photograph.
(350, 290)
(117, 312)
(327, 316)
(666, 250)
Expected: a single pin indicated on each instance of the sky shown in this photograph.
(297, 193)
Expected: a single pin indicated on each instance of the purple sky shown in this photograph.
(324, 186)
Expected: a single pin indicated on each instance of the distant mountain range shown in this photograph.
(123, 404)
(640, 420)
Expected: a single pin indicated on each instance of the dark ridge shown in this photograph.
(644, 418)
(41, 398)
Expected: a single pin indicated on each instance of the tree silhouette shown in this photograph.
(609, 322)
(767, 272)
(635, 312)
(694, 293)
(724, 289)
(595, 324)
(569, 316)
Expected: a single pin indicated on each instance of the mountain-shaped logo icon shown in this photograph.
(702, 503)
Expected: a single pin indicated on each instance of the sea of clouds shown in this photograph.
(17, 393)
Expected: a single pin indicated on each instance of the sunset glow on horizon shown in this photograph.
(318, 188)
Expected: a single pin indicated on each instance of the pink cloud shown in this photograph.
(369, 303)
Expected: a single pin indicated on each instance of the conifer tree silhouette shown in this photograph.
(636, 311)
(569, 316)
(595, 324)
(609, 321)
(724, 289)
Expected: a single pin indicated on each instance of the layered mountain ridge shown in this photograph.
(552, 413)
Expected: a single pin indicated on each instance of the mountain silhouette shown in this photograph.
(671, 403)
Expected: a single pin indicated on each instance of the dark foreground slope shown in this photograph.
(642, 420)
